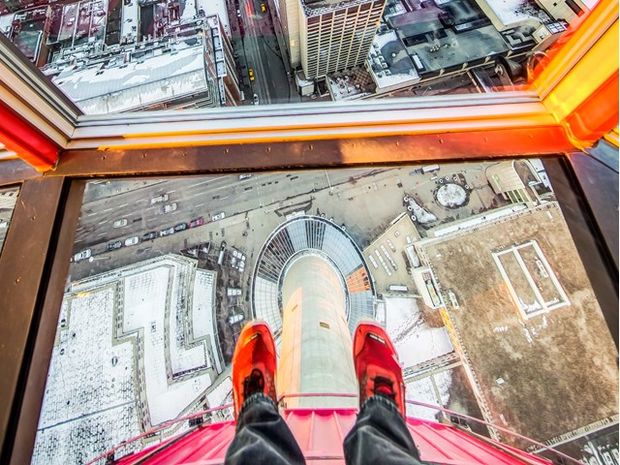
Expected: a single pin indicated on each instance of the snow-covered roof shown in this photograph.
(215, 7)
(505, 14)
(389, 63)
(135, 84)
(5, 22)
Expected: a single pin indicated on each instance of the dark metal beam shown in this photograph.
(15, 171)
(308, 154)
(38, 368)
(24, 276)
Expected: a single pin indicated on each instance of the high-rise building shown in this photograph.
(325, 36)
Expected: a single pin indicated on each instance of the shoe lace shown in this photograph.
(254, 383)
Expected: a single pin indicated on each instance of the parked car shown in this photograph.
(149, 236)
(166, 232)
(197, 222)
(115, 245)
(132, 241)
(245, 175)
(256, 99)
(251, 74)
(180, 227)
(159, 199)
(218, 216)
(120, 223)
(83, 255)
(170, 207)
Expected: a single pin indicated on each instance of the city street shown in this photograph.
(262, 54)
(252, 207)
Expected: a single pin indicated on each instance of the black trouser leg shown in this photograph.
(263, 437)
(380, 436)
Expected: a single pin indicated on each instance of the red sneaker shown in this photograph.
(376, 365)
(254, 364)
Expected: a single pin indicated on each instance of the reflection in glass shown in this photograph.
(8, 197)
(132, 55)
(470, 267)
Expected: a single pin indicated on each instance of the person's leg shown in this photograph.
(262, 436)
(380, 434)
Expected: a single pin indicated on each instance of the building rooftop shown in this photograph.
(350, 85)
(137, 84)
(389, 63)
(317, 7)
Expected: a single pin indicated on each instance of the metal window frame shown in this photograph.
(24, 88)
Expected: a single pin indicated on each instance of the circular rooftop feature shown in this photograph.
(310, 235)
(451, 195)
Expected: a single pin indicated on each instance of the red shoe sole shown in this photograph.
(374, 355)
(255, 348)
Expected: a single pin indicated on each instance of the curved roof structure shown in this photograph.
(316, 235)
(320, 434)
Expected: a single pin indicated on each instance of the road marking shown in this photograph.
(172, 191)
(206, 182)
(103, 222)
(107, 210)
(199, 205)
(124, 205)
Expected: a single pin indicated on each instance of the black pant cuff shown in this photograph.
(384, 401)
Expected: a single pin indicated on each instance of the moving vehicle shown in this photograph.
(263, 7)
(246, 175)
(430, 168)
(170, 207)
(251, 74)
(255, 99)
(159, 199)
(119, 223)
(83, 255)
(115, 245)
(132, 241)
(197, 222)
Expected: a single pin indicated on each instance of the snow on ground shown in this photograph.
(89, 403)
(202, 311)
(414, 340)
(145, 305)
(5, 22)
(216, 7)
(513, 12)
(189, 10)
(451, 195)
(422, 216)
(129, 18)
(220, 394)
(93, 395)
(183, 358)
(432, 389)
